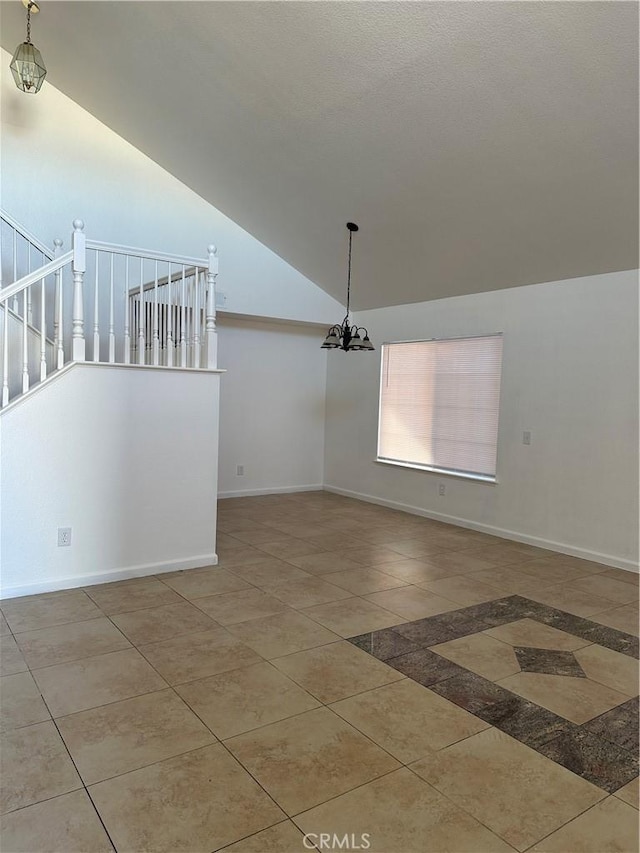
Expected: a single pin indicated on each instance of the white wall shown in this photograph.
(570, 376)
(59, 163)
(271, 406)
(126, 457)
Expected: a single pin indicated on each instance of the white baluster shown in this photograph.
(112, 330)
(96, 319)
(146, 326)
(156, 341)
(43, 338)
(57, 308)
(127, 337)
(189, 325)
(211, 335)
(29, 294)
(169, 321)
(15, 267)
(60, 348)
(187, 322)
(203, 319)
(196, 318)
(141, 317)
(79, 266)
(25, 347)
(162, 333)
(183, 318)
(5, 356)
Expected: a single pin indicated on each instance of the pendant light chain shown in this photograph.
(349, 273)
(29, 24)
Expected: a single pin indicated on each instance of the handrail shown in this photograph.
(148, 254)
(26, 281)
(189, 272)
(27, 236)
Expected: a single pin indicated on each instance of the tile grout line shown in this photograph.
(82, 782)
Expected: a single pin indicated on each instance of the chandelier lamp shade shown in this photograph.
(345, 336)
(27, 65)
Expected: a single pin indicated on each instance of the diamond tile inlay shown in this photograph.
(602, 749)
(548, 661)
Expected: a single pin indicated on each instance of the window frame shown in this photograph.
(487, 479)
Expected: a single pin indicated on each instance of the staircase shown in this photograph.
(109, 410)
(101, 303)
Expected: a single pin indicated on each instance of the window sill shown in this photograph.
(441, 472)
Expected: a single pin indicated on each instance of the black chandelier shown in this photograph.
(344, 336)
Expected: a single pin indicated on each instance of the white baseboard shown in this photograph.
(515, 536)
(140, 571)
(279, 490)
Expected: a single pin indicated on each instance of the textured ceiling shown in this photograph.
(478, 145)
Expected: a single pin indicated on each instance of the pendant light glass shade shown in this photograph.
(332, 341)
(355, 342)
(28, 68)
(27, 65)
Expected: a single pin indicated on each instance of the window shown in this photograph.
(439, 404)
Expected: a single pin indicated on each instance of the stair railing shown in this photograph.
(131, 306)
(21, 252)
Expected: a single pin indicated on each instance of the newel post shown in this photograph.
(210, 324)
(78, 266)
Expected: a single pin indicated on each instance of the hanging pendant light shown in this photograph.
(27, 66)
(345, 336)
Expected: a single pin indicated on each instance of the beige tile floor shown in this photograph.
(222, 709)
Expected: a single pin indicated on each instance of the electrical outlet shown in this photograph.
(441, 489)
(64, 537)
(221, 299)
(240, 470)
(526, 437)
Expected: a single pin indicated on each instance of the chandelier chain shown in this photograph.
(29, 23)
(349, 273)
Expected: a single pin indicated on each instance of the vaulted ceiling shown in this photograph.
(478, 145)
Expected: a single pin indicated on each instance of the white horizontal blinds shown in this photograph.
(406, 403)
(439, 404)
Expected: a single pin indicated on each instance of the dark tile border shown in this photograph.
(596, 759)
(603, 750)
(619, 725)
(526, 721)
